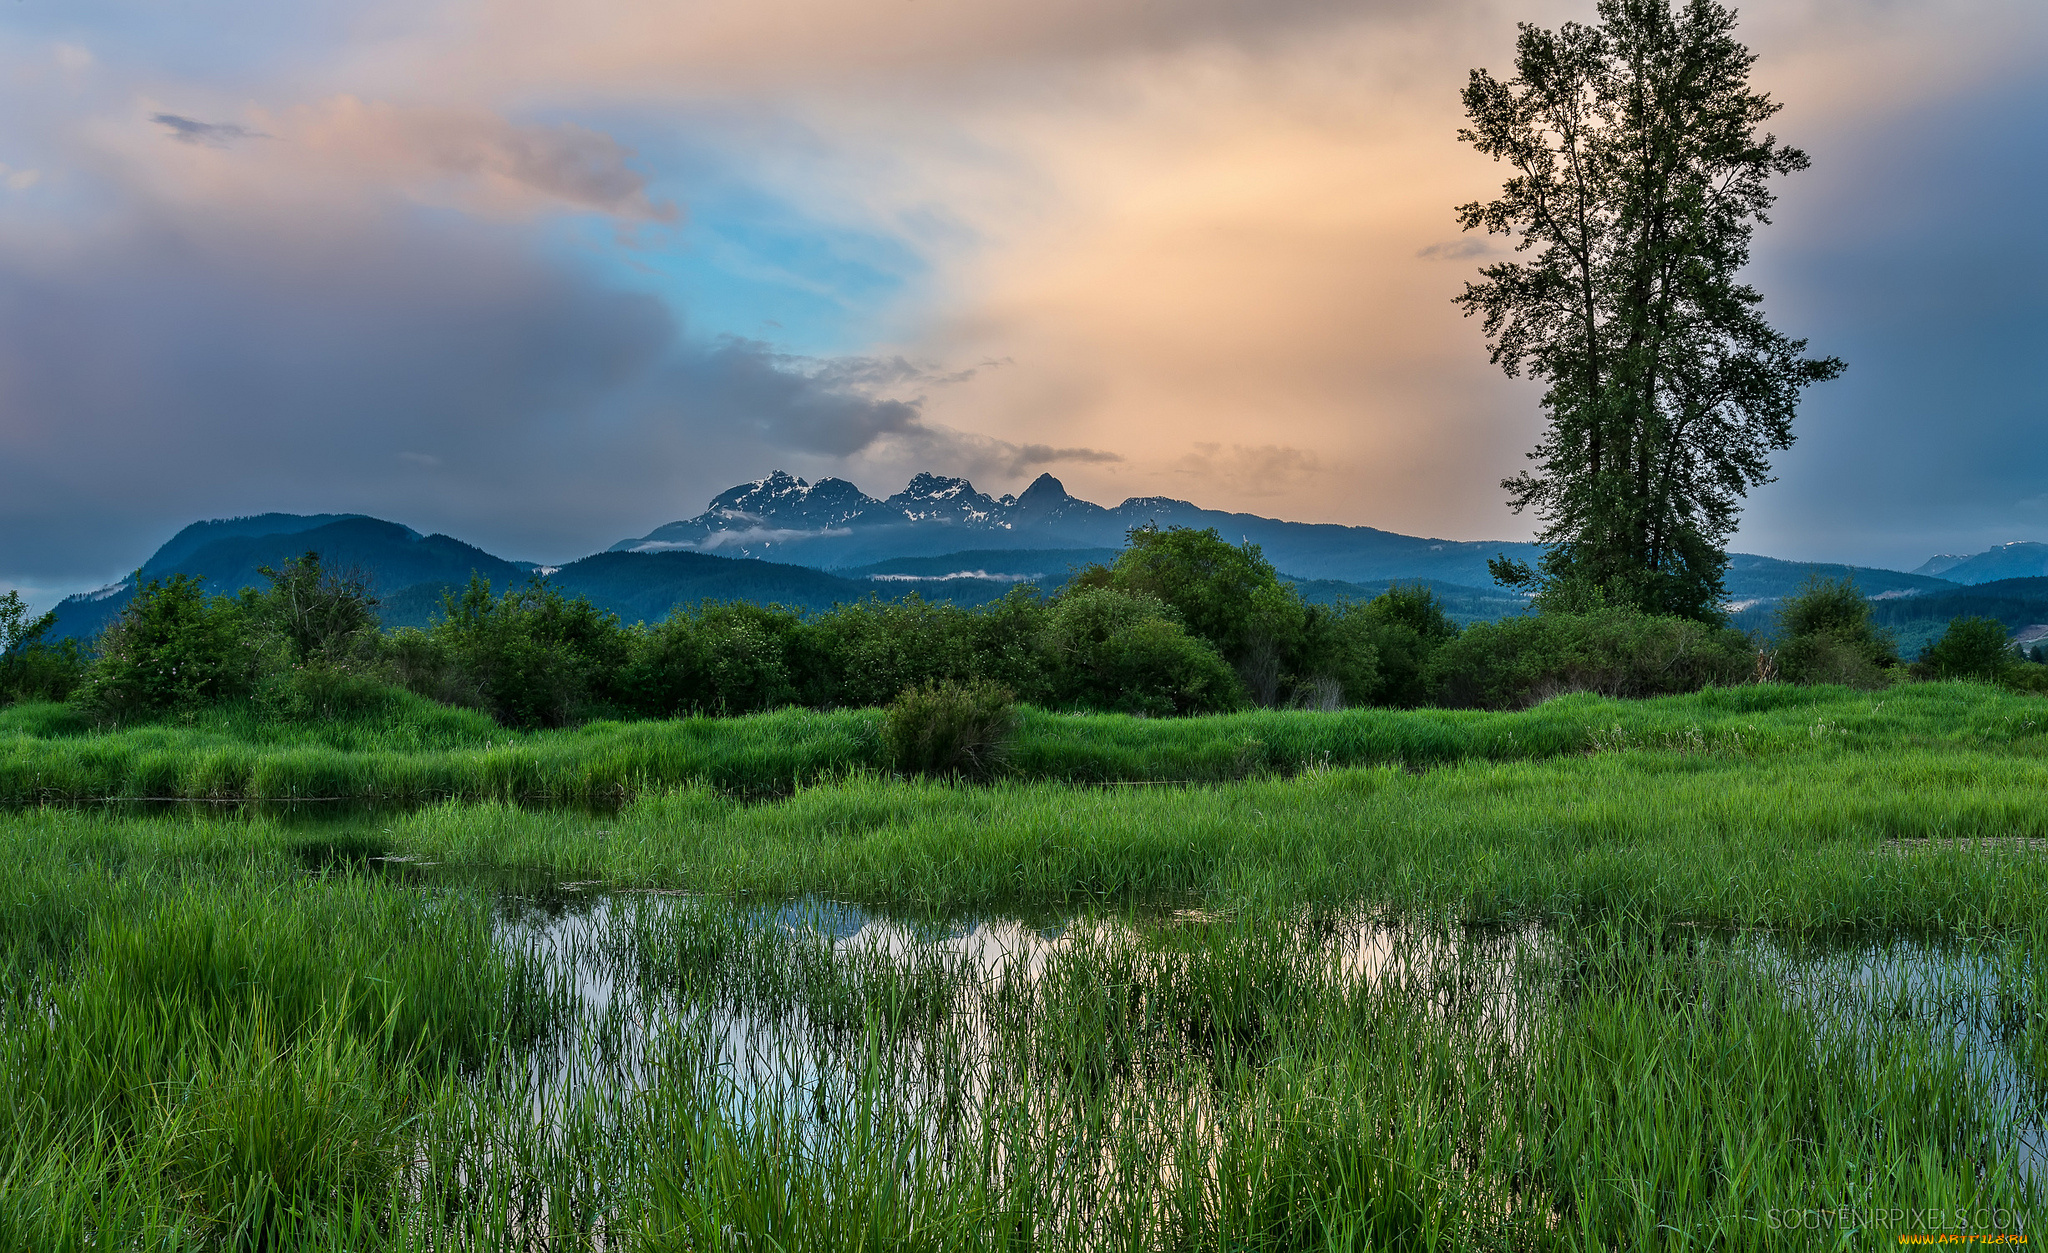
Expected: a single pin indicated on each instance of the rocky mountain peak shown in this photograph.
(1045, 491)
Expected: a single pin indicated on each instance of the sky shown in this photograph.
(546, 275)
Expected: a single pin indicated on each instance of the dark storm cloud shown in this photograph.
(1915, 260)
(433, 374)
(190, 131)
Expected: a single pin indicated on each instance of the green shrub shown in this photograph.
(1227, 595)
(1112, 650)
(1008, 642)
(31, 668)
(725, 658)
(1825, 635)
(425, 664)
(950, 728)
(861, 655)
(2026, 676)
(319, 692)
(1405, 626)
(1971, 648)
(1828, 658)
(1223, 593)
(532, 657)
(1339, 659)
(174, 648)
(1614, 652)
(316, 616)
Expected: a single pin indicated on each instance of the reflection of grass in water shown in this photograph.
(1645, 1093)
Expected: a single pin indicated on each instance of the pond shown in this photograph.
(1108, 1077)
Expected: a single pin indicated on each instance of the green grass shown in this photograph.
(1839, 843)
(433, 753)
(225, 1051)
(1673, 974)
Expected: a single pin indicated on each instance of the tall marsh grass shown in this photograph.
(426, 752)
(1579, 984)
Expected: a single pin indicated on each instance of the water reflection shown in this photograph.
(782, 1003)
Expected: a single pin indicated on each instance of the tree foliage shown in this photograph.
(1622, 652)
(173, 649)
(1283, 650)
(1971, 648)
(1825, 635)
(1640, 174)
(32, 667)
(317, 615)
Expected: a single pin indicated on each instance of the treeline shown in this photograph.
(1180, 623)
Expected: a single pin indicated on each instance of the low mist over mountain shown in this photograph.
(805, 545)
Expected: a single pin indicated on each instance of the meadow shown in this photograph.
(1757, 967)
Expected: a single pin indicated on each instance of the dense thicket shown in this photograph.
(1180, 623)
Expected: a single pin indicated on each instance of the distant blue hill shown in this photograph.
(2022, 559)
(226, 557)
(783, 541)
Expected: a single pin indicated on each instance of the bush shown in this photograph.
(1228, 595)
(731, 658)
(1615, 652)
(1007, 640)
(1971, 648)
(1405, 626)
(326, 693)
(173, 649)
(1111, 650)
(1828, 658)
(2026, 676)
(861, 655)
(1338, 662)
(316, 616)
(950, 728)
(1825, 635)
(531, 657)
(30, 667)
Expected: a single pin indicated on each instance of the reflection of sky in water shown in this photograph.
(1942, 1000)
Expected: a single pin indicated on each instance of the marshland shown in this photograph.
(1590, 974)
(1130, 894)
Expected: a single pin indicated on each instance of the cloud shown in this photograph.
(1266, 470)
(511, 165)
(435, 372)
(840, 408)
(685, 47)
(1457, 249)
(929, 446)
(187, 130)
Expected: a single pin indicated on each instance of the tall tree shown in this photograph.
(1641, 173)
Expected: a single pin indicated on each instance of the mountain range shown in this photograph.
(2021, 559)
(811, 545)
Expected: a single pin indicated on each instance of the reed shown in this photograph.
(1721, 971)
(424, 752)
